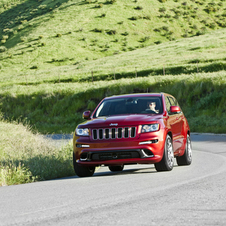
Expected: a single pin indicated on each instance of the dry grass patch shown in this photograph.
(27, 157)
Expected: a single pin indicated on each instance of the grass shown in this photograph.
(52, 100)
(47, 34)
(27, 157)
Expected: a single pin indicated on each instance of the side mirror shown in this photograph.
(86, 115)
(175, 109)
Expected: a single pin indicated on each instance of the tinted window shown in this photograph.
(172, 101)
(132, 105)
(167, 104)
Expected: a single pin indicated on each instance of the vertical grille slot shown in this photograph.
(95, 134)
(101, 134)
(119, 132)
(113, 133)
(133, 132)
(107, 134)
(126, 132)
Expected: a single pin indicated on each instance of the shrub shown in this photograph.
(97, 30)
(99, 5)
(110, 32)
(162, 10)
(21, 27)
(146, 17)
(138, 8)
(5, 37)
(125, 33)
(144, 39)
(212, 25)
(110, 2)
(23, 39)
(156, 30)
(133, 18)
(158, 42)
(91, 105)
(165, 28)
(34, 67)
(3, 49)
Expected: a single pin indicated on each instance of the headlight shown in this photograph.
(150, 128)
(82, 131)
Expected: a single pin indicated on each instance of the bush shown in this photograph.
(138, 8)
(133, 18)
(99, 5)
(3, 49)
(125, 33)
(5, 37)
(30, 157)
(162, 10)
(110, 32)
(144, 39)
(146, 17)
(97, 30)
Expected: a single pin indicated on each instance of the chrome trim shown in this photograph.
(100, 134)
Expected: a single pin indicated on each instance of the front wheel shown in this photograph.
(167, 162)
(83, 171)
(186, 158)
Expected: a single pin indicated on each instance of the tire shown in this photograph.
(116, 168)
(167, 162)
(83, 171)
(186, 158)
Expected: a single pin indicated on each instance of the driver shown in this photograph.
(151, 106)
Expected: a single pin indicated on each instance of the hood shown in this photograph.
(120, 121)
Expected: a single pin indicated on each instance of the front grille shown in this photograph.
(113, 133)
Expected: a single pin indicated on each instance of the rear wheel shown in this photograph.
(186, 158)
(83, 171)
(167, 162)
(116, 168)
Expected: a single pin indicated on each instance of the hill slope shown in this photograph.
(45, 34)
(52, 50)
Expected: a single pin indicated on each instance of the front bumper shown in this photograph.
(145, 150)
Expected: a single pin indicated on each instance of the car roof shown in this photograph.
(135, 95)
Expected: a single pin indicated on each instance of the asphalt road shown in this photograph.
(188, 195)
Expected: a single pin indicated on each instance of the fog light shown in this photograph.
(82, 145)
(84, 156)
(149, 142)
(147, 153)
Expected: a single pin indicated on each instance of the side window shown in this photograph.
(167, 104)
(172, 101)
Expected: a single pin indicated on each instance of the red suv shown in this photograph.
(131, 129)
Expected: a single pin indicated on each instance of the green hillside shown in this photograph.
(49, 33)
(52, 50)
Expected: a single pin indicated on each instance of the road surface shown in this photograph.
(188, 195)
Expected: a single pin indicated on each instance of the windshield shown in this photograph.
(131, 105)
